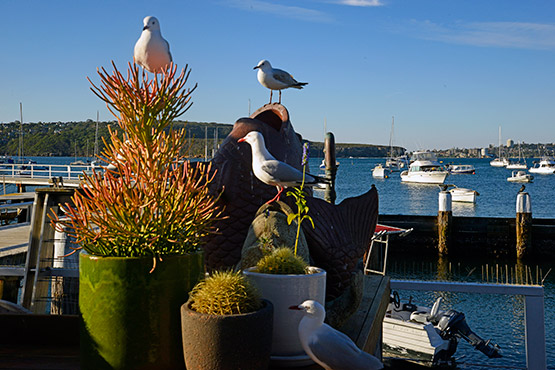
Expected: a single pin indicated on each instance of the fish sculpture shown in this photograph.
(342, 232)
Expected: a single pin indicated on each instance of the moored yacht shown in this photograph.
(425, 169)
(546, 166)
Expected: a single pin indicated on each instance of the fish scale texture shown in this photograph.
(342, 232)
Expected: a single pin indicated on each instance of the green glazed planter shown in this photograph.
(130, 318)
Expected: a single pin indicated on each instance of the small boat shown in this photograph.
(461, 169)
(381, 172)
(499, 162)
(323, 164)
(424, 169)
(520, 165)
(546, 166)
(463, 195)
(428, 336)
(520, 176)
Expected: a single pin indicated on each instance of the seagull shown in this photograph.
(276, 79)
(328, 347)
(273, 172)
(152, 51)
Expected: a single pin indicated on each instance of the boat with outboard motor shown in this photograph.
(424, 169)
(520, 176)
(428, 336)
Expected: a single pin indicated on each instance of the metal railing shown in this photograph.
(534, 316)
(47, 171)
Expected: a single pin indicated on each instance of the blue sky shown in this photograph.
(450, 71)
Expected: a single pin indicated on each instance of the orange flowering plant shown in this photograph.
(150, 200)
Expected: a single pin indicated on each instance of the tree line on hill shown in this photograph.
(68, 139)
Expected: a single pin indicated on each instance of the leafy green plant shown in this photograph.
(282, 261)
(300, 200)
(154, 202)
(225, 293)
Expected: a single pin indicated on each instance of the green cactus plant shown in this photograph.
(283, 261)
(225, 293)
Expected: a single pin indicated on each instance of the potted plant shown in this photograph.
(226, 325)
(140, 224)
(285, 279)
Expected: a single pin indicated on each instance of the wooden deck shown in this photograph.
(14, 239)
(52, 342)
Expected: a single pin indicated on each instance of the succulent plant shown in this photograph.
(155, 202)
(225, 293)
(282, 261)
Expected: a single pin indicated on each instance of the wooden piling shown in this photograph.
(523, 224)
(444, 219)
(331, 167)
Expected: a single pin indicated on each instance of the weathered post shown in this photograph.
(444, 218)
(331, 167)
(523, 224)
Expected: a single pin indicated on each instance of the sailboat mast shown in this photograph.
(96, 137)
(20, 149)
(391, 137)
(499, 141)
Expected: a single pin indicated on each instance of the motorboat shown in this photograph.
(520, 176)
(381, 172)
(323, 164)
(461, 169)
(428, 336)
(463, 195)
(546, 166)
(425, 169)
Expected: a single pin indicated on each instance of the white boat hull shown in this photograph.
(405, 336)
(463, 195)
(542, 170)
(424, 177)
(380, 172)
(516, 166)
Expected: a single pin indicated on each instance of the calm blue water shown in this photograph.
(497, 195)
(498, 317)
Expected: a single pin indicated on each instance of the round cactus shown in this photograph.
(225, 293)
(282, 261)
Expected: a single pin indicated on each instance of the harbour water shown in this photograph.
(496, 317)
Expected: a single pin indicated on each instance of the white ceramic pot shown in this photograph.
(285, 291)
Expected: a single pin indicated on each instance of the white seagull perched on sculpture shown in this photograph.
(275, 79)
(152, 51)
(328, 347)
(273, 172)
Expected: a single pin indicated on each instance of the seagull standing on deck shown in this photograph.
(152, 51)
(273, 172)
(275, 79)
(328, 347)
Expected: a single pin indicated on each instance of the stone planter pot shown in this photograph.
(227, 342)
(129, 317)
(285, 291)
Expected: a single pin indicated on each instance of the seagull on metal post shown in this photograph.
(276, 79)
(272, 171)
(328, 347)
(152, 51)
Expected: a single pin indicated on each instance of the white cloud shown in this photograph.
(286, 11)
(361, 2)
(518, 35)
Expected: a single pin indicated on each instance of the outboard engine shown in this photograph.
(453, 323)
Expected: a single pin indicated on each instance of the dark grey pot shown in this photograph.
(227, 342)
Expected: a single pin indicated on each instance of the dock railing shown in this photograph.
(47, 171)
(534, 316)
